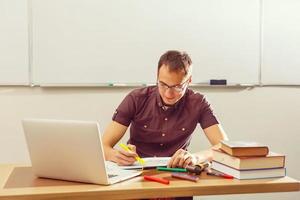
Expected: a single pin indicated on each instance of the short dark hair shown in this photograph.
(176, 61)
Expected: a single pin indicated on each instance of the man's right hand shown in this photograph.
(123, 157)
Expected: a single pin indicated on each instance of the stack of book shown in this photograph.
(248, 160)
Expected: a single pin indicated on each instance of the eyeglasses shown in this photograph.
(176, 88)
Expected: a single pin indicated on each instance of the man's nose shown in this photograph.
(169, 93)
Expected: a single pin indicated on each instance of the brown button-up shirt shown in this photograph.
(160, 131)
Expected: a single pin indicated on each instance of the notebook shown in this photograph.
(70, 150)
(150, 162)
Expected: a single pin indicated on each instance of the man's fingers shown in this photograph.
(132, 147)
(181, 158)
(125, 158)
(187, 162)
(172, 160)
(176, 161)
(128, 153)
(122, 162)
(170, 163)
(180, 161)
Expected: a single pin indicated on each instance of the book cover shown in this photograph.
(244, 148)
(272, 160)
(249, 174)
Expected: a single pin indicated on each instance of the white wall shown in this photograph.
(268, 114)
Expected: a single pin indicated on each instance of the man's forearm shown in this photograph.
(108, 151)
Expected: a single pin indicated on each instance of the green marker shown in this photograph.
(171, 169)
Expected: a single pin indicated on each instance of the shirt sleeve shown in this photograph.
(207, 117)
(125, 111)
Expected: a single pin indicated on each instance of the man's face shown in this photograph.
(171, 85)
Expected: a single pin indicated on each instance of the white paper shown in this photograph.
(149, 163)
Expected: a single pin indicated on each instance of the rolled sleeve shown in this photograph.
(207, 117)
(125, 111)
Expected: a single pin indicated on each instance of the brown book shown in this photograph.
(244, 148)
(272, 160)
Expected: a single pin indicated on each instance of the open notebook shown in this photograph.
(150, 162)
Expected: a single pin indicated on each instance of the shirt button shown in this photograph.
(183, 129)
(163, 135)
(145, 126)
(166, 119)
(161, 145)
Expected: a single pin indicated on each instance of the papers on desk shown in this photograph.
(150, 162)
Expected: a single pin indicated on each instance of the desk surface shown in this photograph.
(18, 182)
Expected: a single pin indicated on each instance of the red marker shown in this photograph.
(156, 179)
(214, 173)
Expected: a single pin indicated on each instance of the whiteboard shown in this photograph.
(98, 41)
(281, 42)
(14, 67)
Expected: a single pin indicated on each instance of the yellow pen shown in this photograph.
(137, 158)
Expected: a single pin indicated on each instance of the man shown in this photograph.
(163, 118)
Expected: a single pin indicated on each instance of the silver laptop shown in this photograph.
(70, 150)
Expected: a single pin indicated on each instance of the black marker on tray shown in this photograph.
(218, 82)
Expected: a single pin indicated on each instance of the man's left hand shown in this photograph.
(182, 158)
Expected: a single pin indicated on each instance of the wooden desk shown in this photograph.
(18, 183)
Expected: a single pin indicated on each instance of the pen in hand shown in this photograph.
(137, 158)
